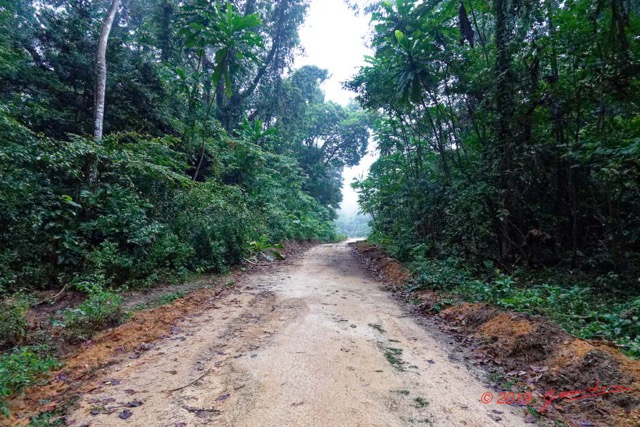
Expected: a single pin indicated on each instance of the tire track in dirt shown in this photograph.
(315, 343)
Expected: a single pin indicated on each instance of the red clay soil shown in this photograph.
(383, 265)
(532, 354)
(106, 347)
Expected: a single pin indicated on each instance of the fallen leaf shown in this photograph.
(62, 377)
(125, 414)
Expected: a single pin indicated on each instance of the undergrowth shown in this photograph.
(21, 368)
(13, 324)
(101, 309)
(575, 306)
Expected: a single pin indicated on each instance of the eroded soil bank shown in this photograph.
(529, 354)
(314, 343)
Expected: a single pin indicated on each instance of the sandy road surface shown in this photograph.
(315, 343)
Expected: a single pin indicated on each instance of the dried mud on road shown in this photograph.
(317, 342)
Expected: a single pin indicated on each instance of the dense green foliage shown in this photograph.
(507, 130)
(509, 137)
(208, 144)
(22, 368)
(13, 324)
(212, 142)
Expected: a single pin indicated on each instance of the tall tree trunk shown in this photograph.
(503, 130)
(101, 70)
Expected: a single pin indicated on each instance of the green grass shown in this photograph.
(394, 357)
(420, 402)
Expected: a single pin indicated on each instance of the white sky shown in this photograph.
(334, 38)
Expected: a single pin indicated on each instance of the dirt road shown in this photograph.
(315, 343)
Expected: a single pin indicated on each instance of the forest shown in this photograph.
(509, 140)
(198, 156)
(145, 142)
(211, 147)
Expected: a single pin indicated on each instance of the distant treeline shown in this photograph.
(353, 225)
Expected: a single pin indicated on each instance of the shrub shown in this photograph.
(21, 368)
(101, 309)
(13, 325)
(143, 219)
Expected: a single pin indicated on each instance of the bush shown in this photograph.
(21, 368)
(13, 325)
(143, 219)
(101, 309)
(215, 222)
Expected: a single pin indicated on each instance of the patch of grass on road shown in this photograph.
(420, 402)
(377, 327)
(394, 357)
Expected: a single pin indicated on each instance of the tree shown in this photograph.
(101, 69)
(189, 173)
(490, 118)
(324, 136)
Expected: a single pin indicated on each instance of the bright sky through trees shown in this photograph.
(334, 38)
